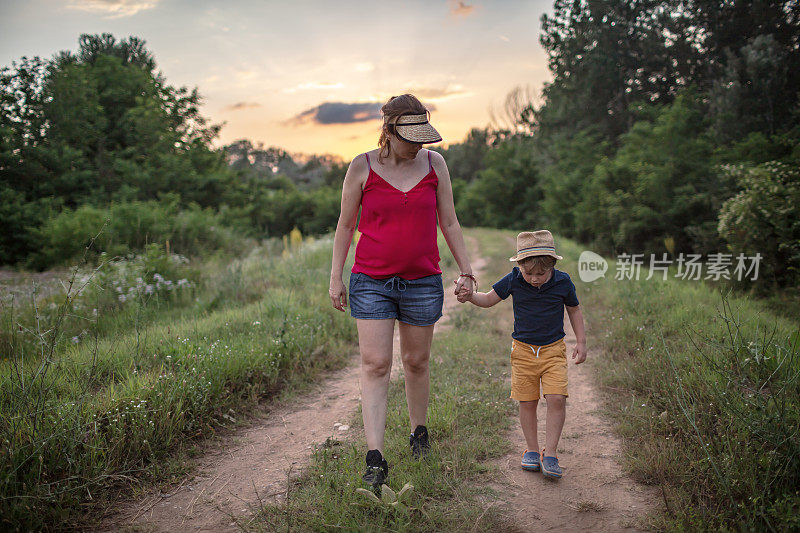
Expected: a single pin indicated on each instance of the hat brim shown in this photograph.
(418, 133)
(520, 257)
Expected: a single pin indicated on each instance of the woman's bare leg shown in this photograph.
(375, 345)
(415, 349)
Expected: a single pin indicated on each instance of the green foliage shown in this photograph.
(764, 218)
(20, 218)
(128, 227)
(660, 184)
(706, 398)
(94, 128)
(626, 143)
(99, 134)
(506, 192)
(277, 167)
(104, 122)
(745, 97)
(466, 159)
(118, 290)
(153, 371)
(607, 57)
(604, 57)
(566, 183)
(275, 211)
(757, 148)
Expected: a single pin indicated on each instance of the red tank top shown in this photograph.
(398, 229)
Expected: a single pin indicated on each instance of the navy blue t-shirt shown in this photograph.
(538, 312)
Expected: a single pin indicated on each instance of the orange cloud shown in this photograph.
(437, 94)
(241, 105)
(113, 8)
(458, 8)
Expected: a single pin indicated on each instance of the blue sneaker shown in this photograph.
(550, 467)
(530, 461)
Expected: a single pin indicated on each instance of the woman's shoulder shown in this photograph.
(358, 170)
(361, 162)
(436, 157)
(438, 163)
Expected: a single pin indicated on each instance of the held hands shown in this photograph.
(579, 353)
(463, 296)
(464, 288)
(338, 295)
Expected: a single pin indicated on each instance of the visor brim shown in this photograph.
(418, 133)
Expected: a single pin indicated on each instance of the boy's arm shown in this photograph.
(576, 319)
(481, 299)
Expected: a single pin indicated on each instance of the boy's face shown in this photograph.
(536, 276)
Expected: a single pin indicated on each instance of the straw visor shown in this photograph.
(416, 129)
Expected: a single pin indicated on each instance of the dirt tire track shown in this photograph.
(254, 464)
(250, 465)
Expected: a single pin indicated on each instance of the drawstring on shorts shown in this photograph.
(535, 352)
(401, 284)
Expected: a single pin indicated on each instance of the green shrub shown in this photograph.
(764, 218)
(95, 300)
(103, 410)
(128, 227)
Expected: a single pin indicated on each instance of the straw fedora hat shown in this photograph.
(530, 243)
(416, 129)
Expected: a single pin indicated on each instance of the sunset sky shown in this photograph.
(309, 76)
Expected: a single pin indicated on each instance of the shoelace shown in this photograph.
(401, 284)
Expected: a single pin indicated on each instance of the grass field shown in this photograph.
(120, 404)
(704, 386)
(704, 389)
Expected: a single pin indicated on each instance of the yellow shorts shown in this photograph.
(531, 365)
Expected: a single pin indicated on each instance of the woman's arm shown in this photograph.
(448, 222)
(345, 227)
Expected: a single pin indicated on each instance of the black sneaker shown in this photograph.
(377, 469)
(419, 442)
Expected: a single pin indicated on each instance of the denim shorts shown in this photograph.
(417, 302)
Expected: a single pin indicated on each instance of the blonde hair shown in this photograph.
(544, 262)
(393, 109)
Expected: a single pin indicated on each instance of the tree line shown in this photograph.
(669, 127)
(98, 140)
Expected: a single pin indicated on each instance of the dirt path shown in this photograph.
(255, 463)
(594, 494)
(252, 465)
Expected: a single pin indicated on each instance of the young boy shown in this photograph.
(538, 352)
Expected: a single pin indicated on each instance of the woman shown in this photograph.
(402, 191)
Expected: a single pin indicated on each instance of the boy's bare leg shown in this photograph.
(527, 419)
(375, 345)
(556, 413)
(415, 351)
